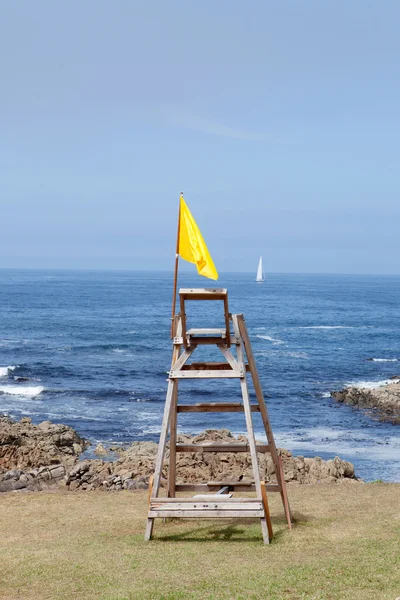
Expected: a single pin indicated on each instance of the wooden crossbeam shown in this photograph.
(220, 447)
(216, 407)
(200, 374)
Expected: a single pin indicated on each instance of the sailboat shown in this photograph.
(260, 278)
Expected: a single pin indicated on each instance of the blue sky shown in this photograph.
(278, 120)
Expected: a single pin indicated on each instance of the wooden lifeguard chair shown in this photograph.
(215, 498)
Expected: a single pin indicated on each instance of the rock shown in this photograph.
(382, 401)
(23, 445)
(101, 450)
(135, 463)
(20, 379)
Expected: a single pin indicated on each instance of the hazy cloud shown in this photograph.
(188, 120)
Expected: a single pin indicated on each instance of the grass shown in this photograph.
(85, 546)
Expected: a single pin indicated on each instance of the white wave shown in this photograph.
(269, 339)
(5, 370)
(132, 331)
(384, 359)
(118, 351)
(328, 327)
(22, 390)
(369, 384)
(326, 395)
(296, 354)
(344, 443)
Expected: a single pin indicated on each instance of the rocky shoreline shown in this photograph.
(383, 401)
(46, 457)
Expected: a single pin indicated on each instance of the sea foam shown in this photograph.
(270, 339)
(22, 390)
(370, 385)
(5, 370)
(384, 359)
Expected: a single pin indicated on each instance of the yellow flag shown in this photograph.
(191, 244)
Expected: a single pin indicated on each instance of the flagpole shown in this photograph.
(176, 270)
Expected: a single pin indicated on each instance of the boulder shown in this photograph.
(23, 445)
(382, 402)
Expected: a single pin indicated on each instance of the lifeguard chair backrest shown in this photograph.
(204, 336)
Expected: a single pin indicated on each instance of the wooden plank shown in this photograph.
(237, 486)
(203, 487)
(216, 407)
(249, 425)
(212, 331)
(204, 340)
(200, 505)
(206, 374)
(207, 514)
(208, 366)
(173, 426)
(203, 293)
(189, 501)
(266, 510)
(161, 450)
(227, 321)
(151, 479)
(229, 357)
(183, 319)
(220, 447)
(184, 357)
(241, 326)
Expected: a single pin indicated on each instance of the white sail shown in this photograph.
(260, 273)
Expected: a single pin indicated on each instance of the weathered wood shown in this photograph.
(207, 497)
(232, 373)
(250, 430)
(203, 340)
(229, 357)
(227, 321)
(207, 514)
(241, 331)
(215, 499)
(203, 293)
(266, 509)
(237, 486)
(216, 407)
(208, 366)
(151, 480)
(209, 505)
(163, 437)
(173, 426)
(186, 354)
(210, 331)
(220, 447)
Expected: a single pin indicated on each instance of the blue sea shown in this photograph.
(95, 348)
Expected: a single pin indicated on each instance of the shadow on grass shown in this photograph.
(231, 532)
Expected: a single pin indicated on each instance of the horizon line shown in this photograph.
(186, 271)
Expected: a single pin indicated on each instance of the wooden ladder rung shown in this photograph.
(230, 507)
(214, 332)
(204, 487)
(215, 407)
(206, 374)
(235, 486)
(220, 447)
(209, 366)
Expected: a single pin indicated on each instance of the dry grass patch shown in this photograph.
(90, 546)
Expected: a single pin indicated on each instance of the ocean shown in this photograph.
(95, 349)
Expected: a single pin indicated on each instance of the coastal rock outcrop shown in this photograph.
(34, 458)
(24, 445)
(382, 401)
(136, 463)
